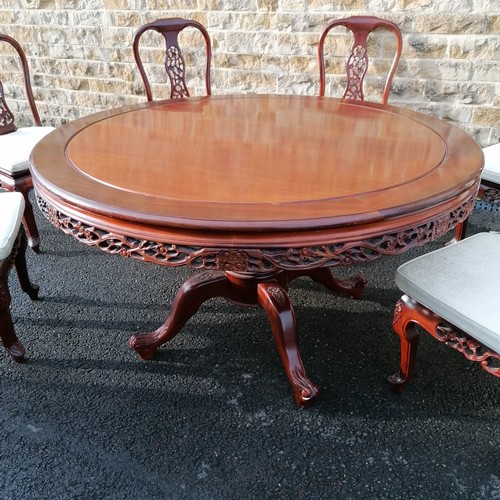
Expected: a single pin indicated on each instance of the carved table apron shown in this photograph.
(255, 191)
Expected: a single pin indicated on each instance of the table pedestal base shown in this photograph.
(269, 291)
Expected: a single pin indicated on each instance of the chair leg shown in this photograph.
(408, 337)
(7, 333)
(24, 186)
(30, 224)
(460, 230)
(22, 270)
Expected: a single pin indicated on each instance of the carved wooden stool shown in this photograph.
(13, 245)
(452, 293)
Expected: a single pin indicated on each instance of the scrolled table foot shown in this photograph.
(353, 287)
(275, 301)
(195, 290)
(304, 389)
(144, 344)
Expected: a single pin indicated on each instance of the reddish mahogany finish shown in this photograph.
(20, 181)
(357, 61)
(17, 258)
(409, 314)
(489, 192)
(174, 60)
(255, 191)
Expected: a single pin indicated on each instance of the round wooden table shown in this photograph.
(256, 190)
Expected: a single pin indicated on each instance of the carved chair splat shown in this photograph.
(175, 64)
(357, 60)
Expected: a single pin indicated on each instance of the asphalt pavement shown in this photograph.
(213, 415)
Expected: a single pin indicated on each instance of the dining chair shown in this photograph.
(357, 59)
(12, 253)
(175, 63)
(16, 145)
(488, 197)
(452, 293)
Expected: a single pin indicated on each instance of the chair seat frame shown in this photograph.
(409, 314)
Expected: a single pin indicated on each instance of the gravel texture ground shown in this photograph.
(213, 416)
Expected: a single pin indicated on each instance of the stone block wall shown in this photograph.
(81, 60)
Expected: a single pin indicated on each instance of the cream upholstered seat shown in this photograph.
(16, 148)
(489, 190)
(11, 208)
(491, 172)
(16, 145)
(445, 294)
(12, 252)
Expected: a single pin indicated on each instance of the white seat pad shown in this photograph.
(11, 210)
(460, 283)
(16, 147)
(491, 170)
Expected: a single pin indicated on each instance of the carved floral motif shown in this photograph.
(278, 294)
(229, 260)
(469, 347)
(397, 312)
(174, 65)
(357, 65)
(6, 117)
(252, 259)
(492, 196)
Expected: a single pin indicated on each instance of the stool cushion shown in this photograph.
(11, 208)
(460, 283)
(491, 170)
(16, 147)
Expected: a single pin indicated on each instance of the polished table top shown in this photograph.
(262, 164)
(257, 190)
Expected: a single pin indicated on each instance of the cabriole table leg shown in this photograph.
(275, 301)
(196, 290)
(267, 291)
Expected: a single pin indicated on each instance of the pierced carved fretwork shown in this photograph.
(491, 196)
(469, 347)
(6, 117)
(356, 65)
(175, 67)
(228, 260)
(257, 260)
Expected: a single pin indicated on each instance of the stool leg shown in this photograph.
(22, 270)
(405, 327)
(7, 333)
(30, 224)
(460, 231)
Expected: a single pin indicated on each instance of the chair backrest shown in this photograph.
(6, 117)
(174, 61)
(357, 60)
